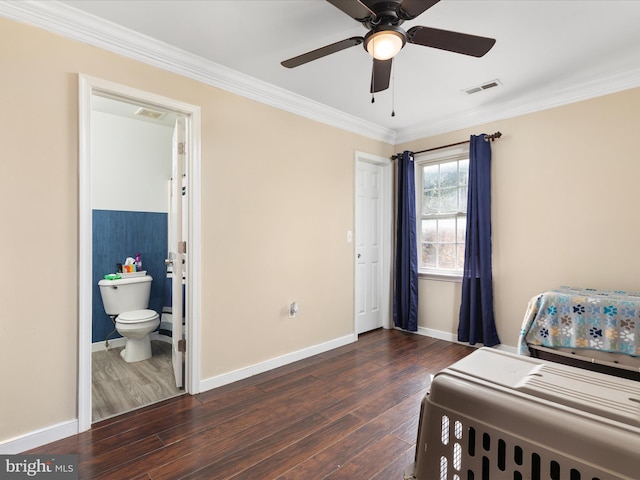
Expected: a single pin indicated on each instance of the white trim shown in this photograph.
(65, 20)
(440, 277)
(439, 334)
(609, 84)
(72, 23)
(452, 337)
(87, 86)
(387, 232)
(67, 429)
(113, 343)
(277, 362)
(39, 437)
(121, 342)
(454, 153)
(85, 231)
(194, 254)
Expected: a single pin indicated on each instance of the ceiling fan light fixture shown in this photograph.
(384, 44)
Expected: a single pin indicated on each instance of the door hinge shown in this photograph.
(182, 247)
(182, 345)
(182, 148)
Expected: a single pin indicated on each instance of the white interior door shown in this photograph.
(369, 246)
(177, 250)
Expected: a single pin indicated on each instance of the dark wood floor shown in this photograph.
(351, 413)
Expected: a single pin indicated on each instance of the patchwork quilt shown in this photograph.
(586, 318)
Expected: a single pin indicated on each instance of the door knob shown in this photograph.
(359, 255)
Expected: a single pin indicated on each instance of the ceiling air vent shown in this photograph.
(484, 86)
(147, 112)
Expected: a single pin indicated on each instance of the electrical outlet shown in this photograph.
(293, 309)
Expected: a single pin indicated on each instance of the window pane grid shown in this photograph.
(442, 243)
(443, 215)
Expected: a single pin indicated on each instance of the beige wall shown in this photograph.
(565, 193)
(277, 202)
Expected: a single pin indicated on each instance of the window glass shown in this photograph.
(449, 174)
(442, 183)
(429, 231)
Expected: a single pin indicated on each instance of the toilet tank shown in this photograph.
(125, 294)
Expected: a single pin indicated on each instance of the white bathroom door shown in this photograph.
(177, 250)
(369, 242)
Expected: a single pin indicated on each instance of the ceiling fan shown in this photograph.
(385, 37)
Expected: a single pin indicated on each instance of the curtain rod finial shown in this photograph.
(492, 137)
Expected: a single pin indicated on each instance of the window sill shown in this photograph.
(440, 277)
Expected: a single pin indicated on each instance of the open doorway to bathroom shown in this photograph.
(131, 168)
(139, 176)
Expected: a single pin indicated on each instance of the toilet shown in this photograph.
(127, 300)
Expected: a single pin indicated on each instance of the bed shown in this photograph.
(585, 327)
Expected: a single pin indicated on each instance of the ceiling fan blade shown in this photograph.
(380, 75)
(357, 10)
(410, 9)
(450, 41)
(321, 52)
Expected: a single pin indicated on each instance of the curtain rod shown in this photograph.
(491, 137)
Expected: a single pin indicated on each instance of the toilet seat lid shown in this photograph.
(136, 316)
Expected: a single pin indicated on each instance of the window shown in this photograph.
(442, 180)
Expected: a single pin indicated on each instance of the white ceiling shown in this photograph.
(547, 53)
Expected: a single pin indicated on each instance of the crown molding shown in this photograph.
(60, 18)
(69, 22)
(597, 87)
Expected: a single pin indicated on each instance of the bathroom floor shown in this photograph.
(118, 386)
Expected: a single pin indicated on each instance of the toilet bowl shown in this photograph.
(126, 301)
(136, 326)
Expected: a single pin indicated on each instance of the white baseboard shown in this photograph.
(262, 367)
(39, 438)
(121, 342)
(452, 337)
(113, 343)
(66, 429)
(440, 335)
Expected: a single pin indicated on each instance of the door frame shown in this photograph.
(87, 86)
(387, 234)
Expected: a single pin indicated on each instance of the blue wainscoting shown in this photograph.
(116, 236)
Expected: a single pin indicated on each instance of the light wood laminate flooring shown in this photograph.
(118, 386)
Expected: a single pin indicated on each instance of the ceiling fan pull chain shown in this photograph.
(373, 80)
(393, 89)
(373, 83)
